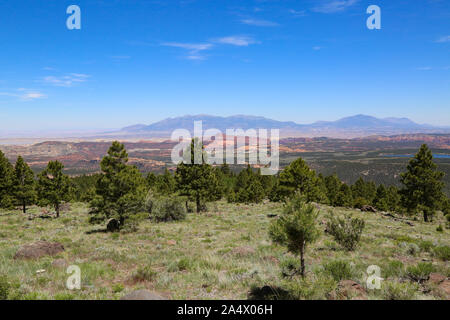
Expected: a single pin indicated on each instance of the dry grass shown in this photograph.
(216, 255)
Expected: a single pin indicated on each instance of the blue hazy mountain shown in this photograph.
(353, 126)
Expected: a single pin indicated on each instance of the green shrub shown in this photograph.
(442, 252)
(289, 266)
(440, 228)
(184, 264)
(399, 291)
(346, 230)
(420, 272)
(403, 238)
(144, 274)
(310, 289)
(165, 209)
(338, 270)
(117, 287)
(412, 249)
(394, 268)
(64, 296)
(5, 286)
(426, 246)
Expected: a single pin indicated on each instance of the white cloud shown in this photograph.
(259, 23)
(240, 41)
(332, 6)
(194, 49)
(120, 57)
(443, 39)
(33, 95)
(424, 68)
(66, 81)
(296, 13)
(24, 94)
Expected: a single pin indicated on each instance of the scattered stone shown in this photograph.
(367, 208)
(444, 286)
(59, 263)
(142, 295)
(243, 251)
(171, 242)
(442, 282)
(113, 225)
(436, 278)
(409, 223)
(40, 271)
(348, 289)
(39, 249)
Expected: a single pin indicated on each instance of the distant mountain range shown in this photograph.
(349, 127)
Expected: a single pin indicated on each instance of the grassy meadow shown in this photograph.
(224, 253)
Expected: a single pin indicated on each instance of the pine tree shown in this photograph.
(363, 192)
(422, 184)
(121, 189)
(197, 181)
(24, 186)
(344, 197)
(296, 228)
(6, 183)
(53, 185)
(381, 200)
(297, 176)
(248, 188)
(393, 199)
(150, 179)
(333, 186)
(165, 183)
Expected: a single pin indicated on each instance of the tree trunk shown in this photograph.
(425, 216)
(24, 207)
(57, 210)
(302, 261)
(197, 200)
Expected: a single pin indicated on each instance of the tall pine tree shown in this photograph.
(197, 181)
(120, 189)
(6, 182)
(423, 184)
(24, 186)
(53, 185)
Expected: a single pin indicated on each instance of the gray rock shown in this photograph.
(59, 263)
(39, 249)
(142, 295)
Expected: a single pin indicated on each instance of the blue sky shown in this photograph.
(142, 61)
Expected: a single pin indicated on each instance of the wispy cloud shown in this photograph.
(424, 68)
(194, 49)
(120, 57)
(259, 23)
(317, 48)
(240, 41)
(298, 13)
(24, 94)
(443, 39)
(332, 6)
(66, 81)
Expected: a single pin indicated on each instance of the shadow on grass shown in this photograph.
(100, 230)
(269, 293)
